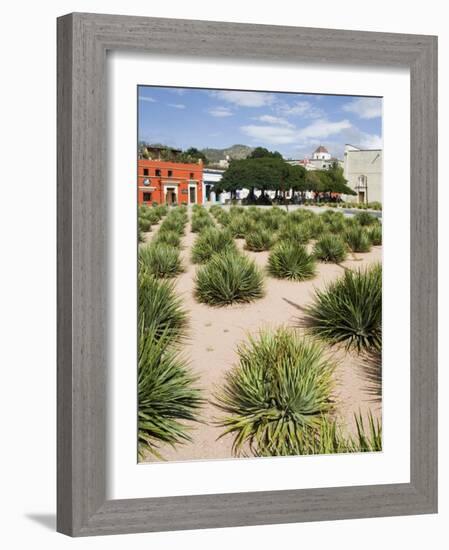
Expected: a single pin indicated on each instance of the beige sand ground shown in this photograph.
(215, 333)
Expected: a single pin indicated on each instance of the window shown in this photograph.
(157, 171)
(146, 172)
(170, 173)
(147, 197)
(192, 175)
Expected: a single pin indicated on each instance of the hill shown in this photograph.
(237, 151)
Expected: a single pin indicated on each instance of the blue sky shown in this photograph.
(294, 124)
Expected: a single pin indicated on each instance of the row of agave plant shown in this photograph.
(277, 400)
(167, 389)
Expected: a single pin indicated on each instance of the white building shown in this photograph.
(363, 170)
(321, 160)
(211, 176)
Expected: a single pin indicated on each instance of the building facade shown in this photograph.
(167, 182)
(363, 171)
(321, 160)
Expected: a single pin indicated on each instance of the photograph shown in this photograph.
(259, 273)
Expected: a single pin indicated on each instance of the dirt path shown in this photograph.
(215, 333)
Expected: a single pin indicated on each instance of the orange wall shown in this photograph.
(182, 175)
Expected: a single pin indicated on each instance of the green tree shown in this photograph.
(262, 152)
(263, 173)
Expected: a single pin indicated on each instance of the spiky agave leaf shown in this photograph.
(375, 234)
(349, 310)
(296, 232)
(330, 248)
(210, 241)
(160, 260)
(259, 239)
(229, 277)
(357, 239)
(332, 438)
(276, 395)
(365, 218)
(171, 238)
(161, 311)
(289, 260)
(167, 394)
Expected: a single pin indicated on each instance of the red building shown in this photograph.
(167, 182)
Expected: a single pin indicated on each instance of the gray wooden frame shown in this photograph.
(83, 40)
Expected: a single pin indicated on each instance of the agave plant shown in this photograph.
(239, 226)
(167, 394)
(365, 218)
(315, 226)
(161, 210)
(209, 242)
(277, 394)
(199, 223)
(331, 438)
(171, 238)
(330, 248)
(258, 239)
(160, 309)
(375, 234)
(229, 277)
(357, 239)
(172, 223)
(349, 310)
(295, 232)
(289, 260)
(149, 214)
(144, 224)
(160, 260)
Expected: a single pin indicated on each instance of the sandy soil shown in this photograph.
(215, 333)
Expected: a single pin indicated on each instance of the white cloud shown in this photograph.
(245, 99)
(177, 105)
(147, 98)
(370, 141)
(270, 134)
(269, 119)
(323, 128)
(299, 108)
(276, 134)
(365, 107)
(220, 112)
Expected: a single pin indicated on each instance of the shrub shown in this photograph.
(149, 214)
(330, 438)
(161, 210)
(295, 232)
(239, 226)
(160, 309)
(199, 223)
(160, 260)
(330, 248)
(172, 223)
(365, 218)
(212, 240)
(375, 234)
(166, 393)
(227, 278)
(349, 310)
(171, 238)
(315, 226)
(258, 239)
(276, 396)
(357, 239)
(144, 225)
(289, 260)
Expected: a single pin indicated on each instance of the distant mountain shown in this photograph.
(237, 152)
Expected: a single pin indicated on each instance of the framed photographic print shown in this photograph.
(247, 285)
